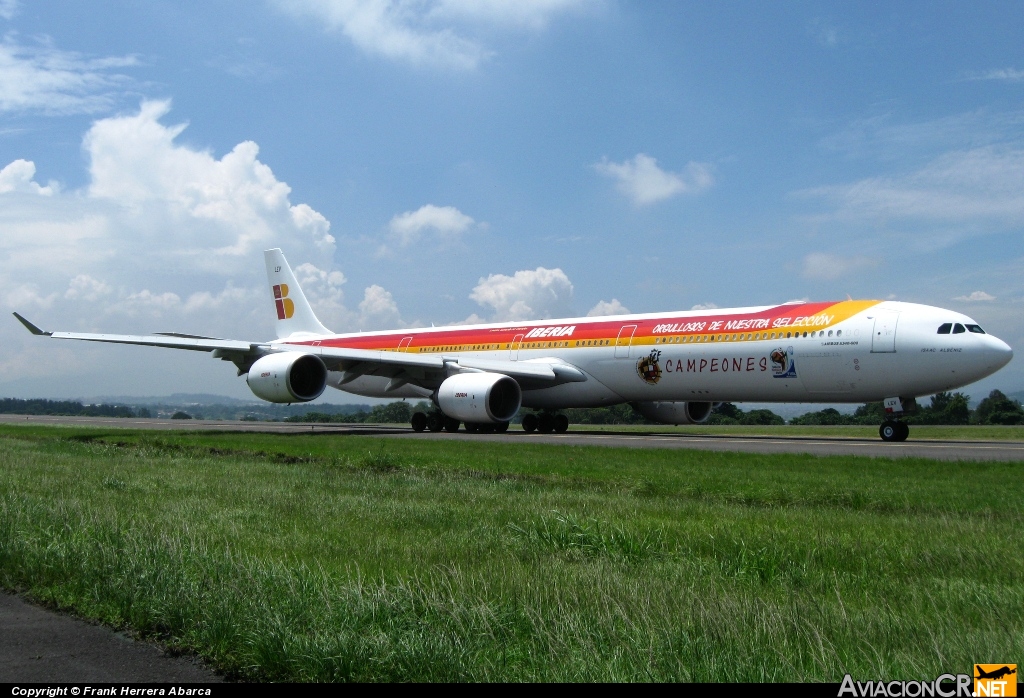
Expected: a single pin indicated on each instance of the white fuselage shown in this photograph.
(887, 349)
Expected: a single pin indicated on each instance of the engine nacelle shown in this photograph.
(675, 412)
(479, 397)
(288, 377)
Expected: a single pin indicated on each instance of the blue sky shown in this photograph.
(441, 161)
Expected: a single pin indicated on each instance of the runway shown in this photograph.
(819, 446)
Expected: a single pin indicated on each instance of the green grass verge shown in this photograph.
(917, 432)
(350, 558)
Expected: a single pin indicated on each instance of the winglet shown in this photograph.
(30, 327)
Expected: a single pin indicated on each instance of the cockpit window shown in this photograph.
(976, 329)
(958, 329)
(945, 327)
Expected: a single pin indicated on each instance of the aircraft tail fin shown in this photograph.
(294, 314)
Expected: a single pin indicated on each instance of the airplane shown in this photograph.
(673, 368)
(995, 673)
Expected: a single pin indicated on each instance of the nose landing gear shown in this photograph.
(892, 430)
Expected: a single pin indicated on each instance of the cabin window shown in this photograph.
(945, 327)
(976, 329)
(788, 335)
(958, 329)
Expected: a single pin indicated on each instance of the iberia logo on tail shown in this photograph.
(285, 306)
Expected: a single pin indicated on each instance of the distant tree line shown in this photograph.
(390, 413)
(945, 408)
(10, 405)
(728, 413)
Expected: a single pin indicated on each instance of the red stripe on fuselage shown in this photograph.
(584, 330)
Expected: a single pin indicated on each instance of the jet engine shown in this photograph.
(288, 377)
(675, 412)
(479, 397)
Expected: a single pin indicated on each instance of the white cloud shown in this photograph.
(8, 8)
(323, 290)
(612, 307)
(378, 309)
(27, 295)
(161, 230)
(447, 221)
(19, 176)
(428, 32)
(826, 267)
(43, 78)
(643, 182)
(1006, 74)
(974, 186)
(526, 295)
(823, 32)
(975, 296)
(529, 14)
(84, 287)
(704, 306)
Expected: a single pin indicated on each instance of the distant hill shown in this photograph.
(175, 399)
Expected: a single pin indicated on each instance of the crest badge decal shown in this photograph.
(783, 365)
(648, 367)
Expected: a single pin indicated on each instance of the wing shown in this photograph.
(243, 354)
(429, 371)
(401, 368)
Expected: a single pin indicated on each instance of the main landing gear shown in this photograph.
(545, 423)
(891, 430)
(439, 421)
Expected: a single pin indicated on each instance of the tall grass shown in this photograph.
(306, 558)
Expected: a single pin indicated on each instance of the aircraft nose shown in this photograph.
(1000, 351)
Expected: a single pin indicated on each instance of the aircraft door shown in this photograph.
(883, 338)
(404, 344)
(623, 341)
(517, 342)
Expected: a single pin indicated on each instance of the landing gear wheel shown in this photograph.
(529, 422)
(501, 427)
(419, 422)
(486, 429)
(546, 423)
(561, 423)
(894, 431)
(451, 425)
(435, 421)
(472, 427)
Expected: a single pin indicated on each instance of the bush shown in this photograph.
(999, 409)
(826, 417)
(391, 413)
(761, 417)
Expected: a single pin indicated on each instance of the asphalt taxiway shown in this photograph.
(41, 646)
(819, 446)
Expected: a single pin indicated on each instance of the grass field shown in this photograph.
(917, 431)
(350, 558)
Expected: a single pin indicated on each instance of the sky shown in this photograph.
(444, 161)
